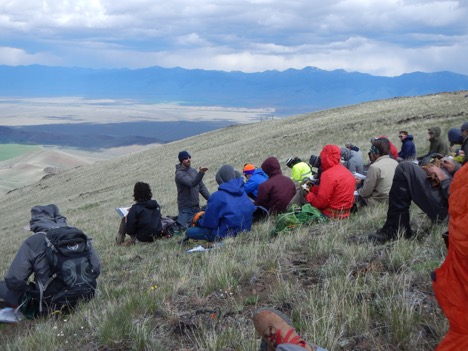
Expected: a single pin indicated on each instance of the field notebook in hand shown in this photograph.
(359, 175)
(122, 211)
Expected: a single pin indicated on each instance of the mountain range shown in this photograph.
(289, 92)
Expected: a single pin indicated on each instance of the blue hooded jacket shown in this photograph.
(229, 210)
(408, 150)
(251, 185)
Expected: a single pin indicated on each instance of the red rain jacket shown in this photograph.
(335, 194)
(451, 278)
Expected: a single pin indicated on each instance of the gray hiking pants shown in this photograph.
(299, 199)
(12, 297)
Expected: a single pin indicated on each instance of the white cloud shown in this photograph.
(15, 57)
(378, 37)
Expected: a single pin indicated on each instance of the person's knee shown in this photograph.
(10, 296)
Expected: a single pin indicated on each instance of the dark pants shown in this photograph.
(199, 233)
(410, 183)
(12, 297)
(186, 215)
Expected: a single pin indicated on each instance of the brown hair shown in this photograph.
(383, 145)
(142, 192)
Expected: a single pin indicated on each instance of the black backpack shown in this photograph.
(72, 277)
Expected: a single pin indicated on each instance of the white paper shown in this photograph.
(201, 248)
(359, 175)
(122, 211)
(198, 248)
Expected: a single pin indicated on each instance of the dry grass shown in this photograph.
(341, 292)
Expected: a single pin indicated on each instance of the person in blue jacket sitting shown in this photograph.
(408, 150)
(228, 211)
(255, 177)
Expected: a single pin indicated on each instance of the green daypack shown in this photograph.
(296, 217)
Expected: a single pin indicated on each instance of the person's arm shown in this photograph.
(296, 174)
(352, 165)
(131, 221)
(189, 180)
(320, 196)
(204, 191)
(250, 186)
(441, 148)
(444, 180)
(212, 213)
(263, 196)
(23, 264)
(404, 153)
(370, 182)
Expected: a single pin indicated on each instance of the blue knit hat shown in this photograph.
(455, 136)
(184, 155)
(464, 126)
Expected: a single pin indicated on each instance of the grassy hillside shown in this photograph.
(342, 292)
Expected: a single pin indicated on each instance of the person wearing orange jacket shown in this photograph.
(450, 280)
(334, 197)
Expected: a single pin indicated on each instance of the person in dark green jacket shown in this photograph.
(437, 145)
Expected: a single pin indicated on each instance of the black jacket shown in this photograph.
(144, 221)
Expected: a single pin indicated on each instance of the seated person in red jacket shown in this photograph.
(277, 191)
(334, 197)
(143, 221)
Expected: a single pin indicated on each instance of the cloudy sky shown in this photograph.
(380, 37)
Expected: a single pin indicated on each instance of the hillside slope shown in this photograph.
(87, 196)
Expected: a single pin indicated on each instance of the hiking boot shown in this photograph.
(381, 236)
(408, 234)
(276, 329)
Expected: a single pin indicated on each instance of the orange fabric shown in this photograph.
(197, 216)
(451, 284)
(249, 167)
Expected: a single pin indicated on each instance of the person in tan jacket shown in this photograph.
(376, 186)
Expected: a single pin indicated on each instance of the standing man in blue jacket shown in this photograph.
(190, 185)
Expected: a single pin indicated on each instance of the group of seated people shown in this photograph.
(333, 189)
(340, 184)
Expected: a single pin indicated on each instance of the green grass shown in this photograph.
(8, 151)
(341, 292)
